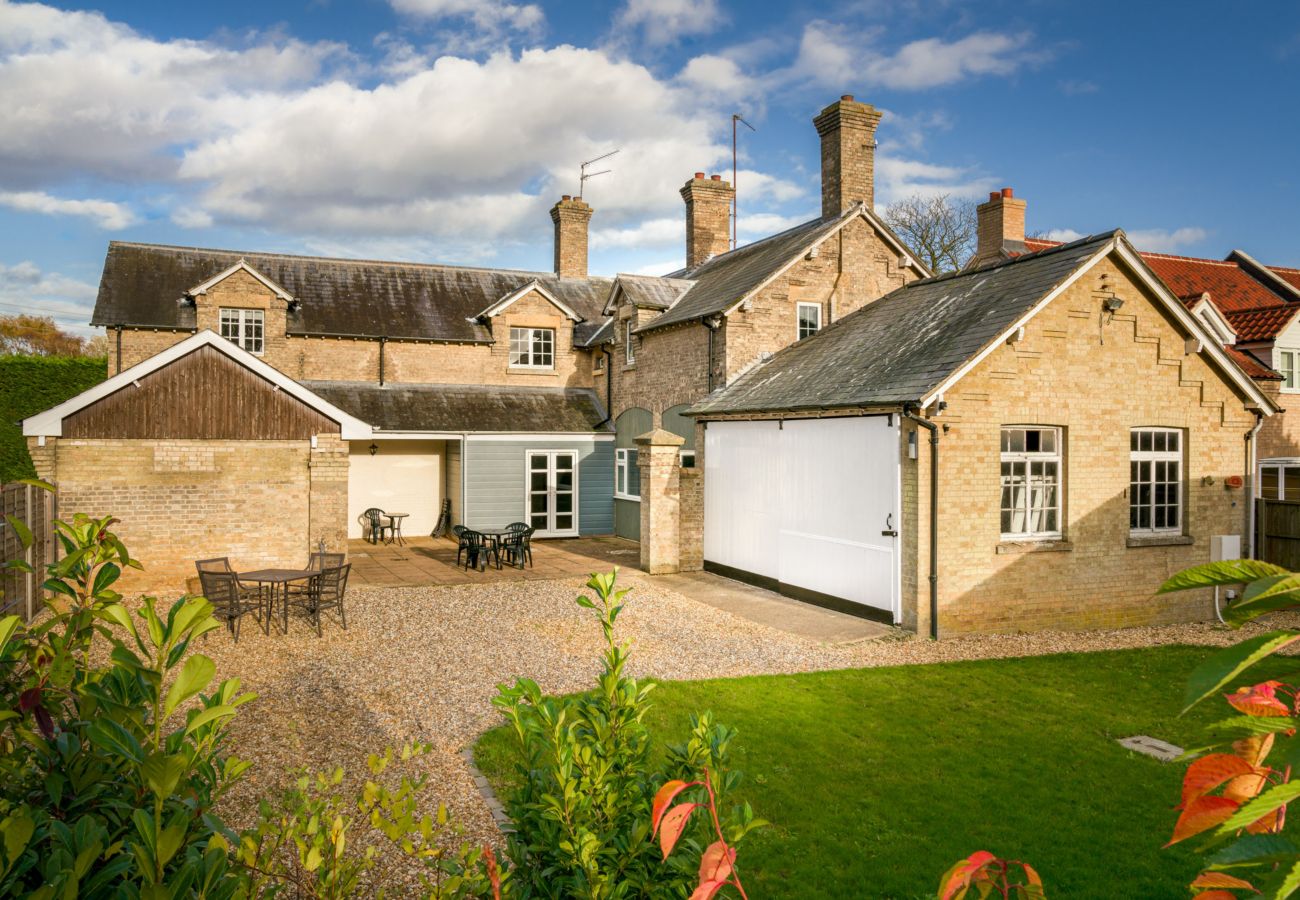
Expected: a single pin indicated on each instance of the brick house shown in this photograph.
(490, 390)
(862, 468)
(1251, 308)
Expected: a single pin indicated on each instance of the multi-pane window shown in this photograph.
(1155, 488)
(1288, 366)
(627, 477)
(1031, 482)
(628, 339)
(1280, 480)
(244, 327)
(532, 348)
(810, 319)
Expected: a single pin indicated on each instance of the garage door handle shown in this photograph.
(889, 532)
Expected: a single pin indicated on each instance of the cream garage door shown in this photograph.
(401, 476)
(807, 504)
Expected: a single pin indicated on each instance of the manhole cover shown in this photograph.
(1161, 750)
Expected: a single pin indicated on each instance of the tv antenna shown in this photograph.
(583, 174)
(735, 207)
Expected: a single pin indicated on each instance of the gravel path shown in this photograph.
(423, 664)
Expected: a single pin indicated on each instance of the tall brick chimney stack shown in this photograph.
(1001, 226)
(571, 216)
(708, 217)
(848, 133)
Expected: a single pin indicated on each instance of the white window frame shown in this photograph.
(798, 319)
(1281, 464)
(624, 463)
(528, 335)
(1287, 362)
(599, 360)
(1156, 457)
(245, 328)
(628, 339)
(1030, 459)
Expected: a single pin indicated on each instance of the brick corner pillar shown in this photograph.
(691, 519)
(659, 459)
(328, 517)
(45, 458)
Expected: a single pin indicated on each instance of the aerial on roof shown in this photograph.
(725, 280)
(145, 285)
(902, 348)
(456, 408)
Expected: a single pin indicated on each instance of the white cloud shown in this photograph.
(1161, 240)
(831, 54)
(104, 213)
(1064, 235)
(488, 15)
(897, 178)
(25, 288)
(660, 268)
(666, 21)
(717, 77)
(660, 232)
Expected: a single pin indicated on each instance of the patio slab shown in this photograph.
(432, 561)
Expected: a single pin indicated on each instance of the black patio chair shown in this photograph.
(374, 517)
(458, 532)
(478, 550)
(230, 601)
(216, 564)
(326, 591)
(317, 562)
(517, 545)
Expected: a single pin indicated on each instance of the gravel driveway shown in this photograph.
(423, 663)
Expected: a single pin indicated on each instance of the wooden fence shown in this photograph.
(1278, 532)
(20, 592)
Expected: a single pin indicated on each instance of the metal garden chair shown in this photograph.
(230, 602)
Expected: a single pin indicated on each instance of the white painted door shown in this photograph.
(551, 504)
(809, 503)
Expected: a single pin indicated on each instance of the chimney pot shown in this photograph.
(566, 197)
(715, 177)
(993, 195)
(699, 175)
(1007, 192)
(847, 97)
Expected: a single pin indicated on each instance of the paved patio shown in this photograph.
(432, 561)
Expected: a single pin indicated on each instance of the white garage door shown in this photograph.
(805, 504)
(401, 476)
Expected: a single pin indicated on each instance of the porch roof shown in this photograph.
(466, 408)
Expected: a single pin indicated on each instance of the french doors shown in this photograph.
(552, 501)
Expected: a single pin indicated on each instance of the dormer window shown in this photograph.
(532, 348)
(245, 328)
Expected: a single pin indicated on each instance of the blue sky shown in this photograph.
(442, 130)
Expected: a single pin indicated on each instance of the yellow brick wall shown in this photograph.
(1280, 436)
(1096, 381)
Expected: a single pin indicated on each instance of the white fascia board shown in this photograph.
(378, 435)
(484, 436)
(1264, 273)
(614, 289)
(1195, 326)
(509, 299)
(946, 385)
(859, 210)
(50, 422)
(242, 264)
(1214, 319)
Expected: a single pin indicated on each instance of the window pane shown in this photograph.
(1269, 486)
(1144, 442)
(1132, 440)
(1290, 487)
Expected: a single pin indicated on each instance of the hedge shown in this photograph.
(30, 384)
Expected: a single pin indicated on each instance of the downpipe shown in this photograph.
(909, 413)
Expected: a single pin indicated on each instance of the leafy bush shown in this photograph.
(583, 809)
(30, 384)
(1237, 788)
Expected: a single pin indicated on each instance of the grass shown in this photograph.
(877, 780)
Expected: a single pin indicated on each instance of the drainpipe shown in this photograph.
(713, 323)
(934, 516)
(119, 350)
(1252, 451)
(382, 342)
(609, 390)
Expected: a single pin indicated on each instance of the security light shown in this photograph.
(1112, 304)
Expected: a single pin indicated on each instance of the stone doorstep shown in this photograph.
(494, 805)
(1145, 744)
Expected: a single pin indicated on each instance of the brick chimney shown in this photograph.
(571, 216)
(708, 217)
(1001, 226)
(848, 133)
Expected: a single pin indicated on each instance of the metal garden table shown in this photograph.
(275, 583)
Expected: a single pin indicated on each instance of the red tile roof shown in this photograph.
(1250, 365)
(1291, 276)
(1033, 244)
(1261, 324)
(1231, 288)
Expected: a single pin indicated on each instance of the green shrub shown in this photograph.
(32, 384)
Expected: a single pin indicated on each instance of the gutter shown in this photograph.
(1252, 466)
(908, 413)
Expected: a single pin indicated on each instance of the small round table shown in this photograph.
(396, 519)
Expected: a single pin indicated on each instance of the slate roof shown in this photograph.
(899, 348)
(725, 279)
(465, 408)
(653, 291)
(143, 285)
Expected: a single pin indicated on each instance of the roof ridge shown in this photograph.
(349, 260)
(820, 220)
(1037, 254)
(1199, 259)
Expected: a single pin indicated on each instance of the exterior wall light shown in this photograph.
(1113, 304)
(374, 448)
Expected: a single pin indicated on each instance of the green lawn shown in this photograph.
(877, 780)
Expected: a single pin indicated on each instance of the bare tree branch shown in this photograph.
(939, 229)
